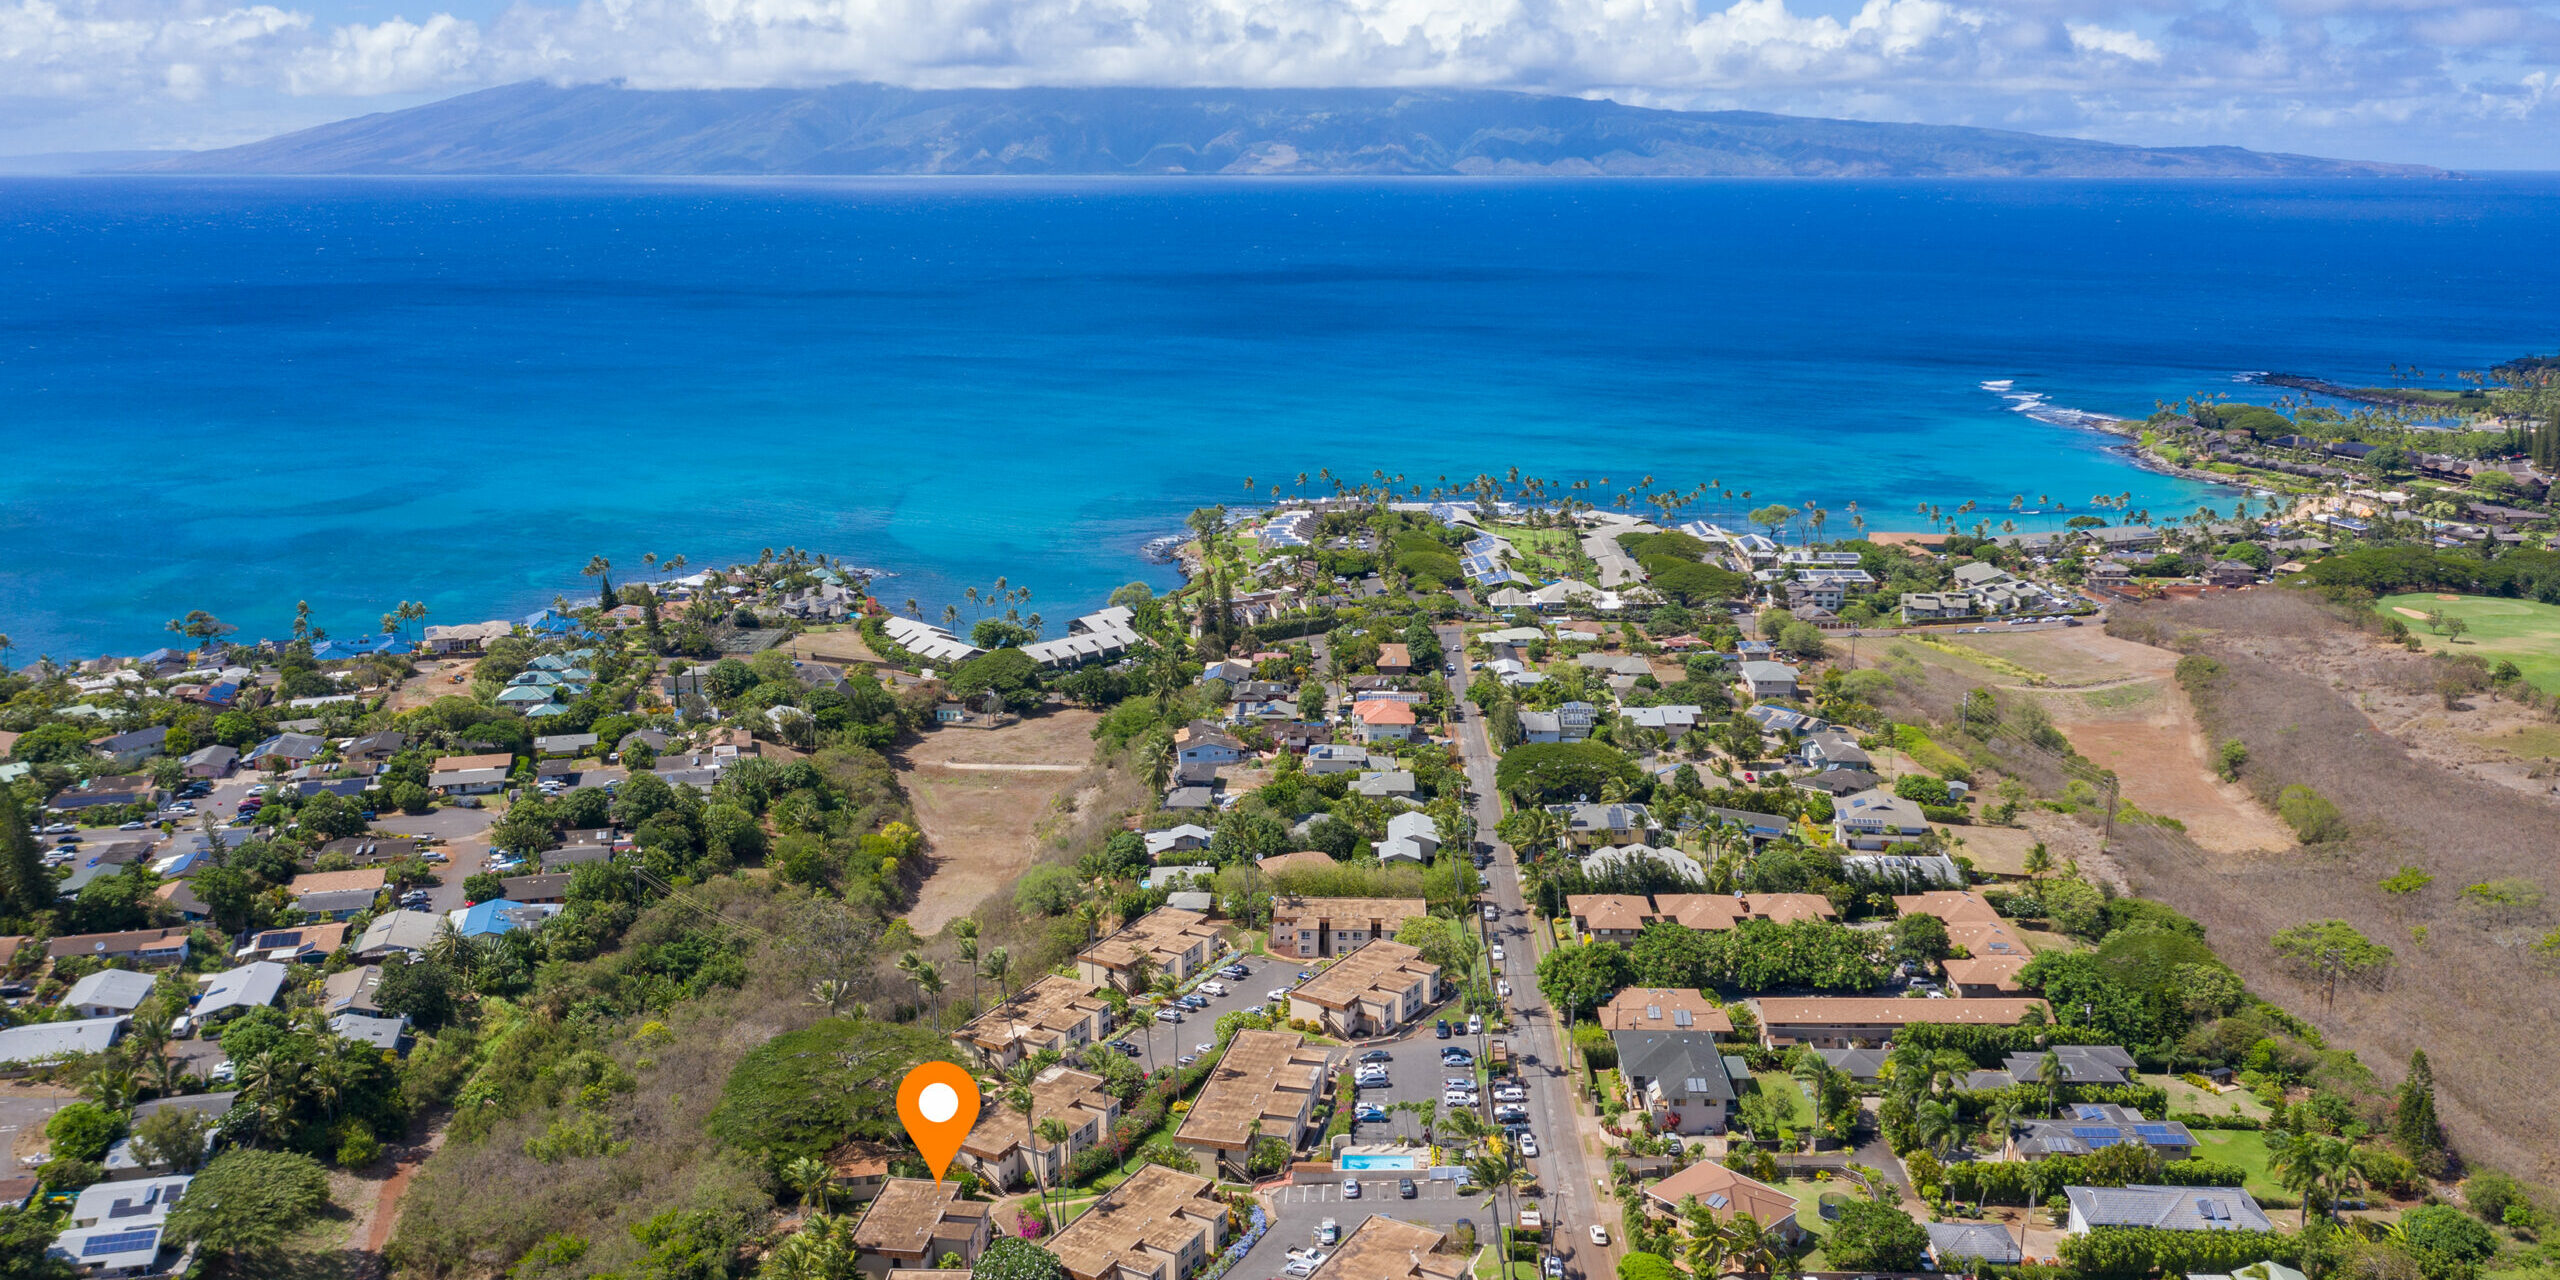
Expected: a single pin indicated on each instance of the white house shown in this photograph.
(1411, 837)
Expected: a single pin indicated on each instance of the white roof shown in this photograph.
(45, 1041)
(110, 988)
(1164, 841)
(399, 931)
(928, 641)
(138, 1203)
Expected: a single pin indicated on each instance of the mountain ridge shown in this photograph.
(860, 128)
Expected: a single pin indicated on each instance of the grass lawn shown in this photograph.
(2187, 1097)
(1783, 1087)
(2524, 632)
(2247, 1149)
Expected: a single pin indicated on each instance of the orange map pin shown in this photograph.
(939, 1104)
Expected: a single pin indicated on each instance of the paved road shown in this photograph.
(1564, 1168)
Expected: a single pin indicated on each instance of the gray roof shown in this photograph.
(1690, 1064)
(399, 931)
(110, 988)
(381, 1033)
(2081, 1064)
(1988, 1241)
(1861, 1064)
(251, 986)
(1767, 672)
(2170, 1208)
(44, 1041)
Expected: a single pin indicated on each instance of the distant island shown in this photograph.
(539, 128)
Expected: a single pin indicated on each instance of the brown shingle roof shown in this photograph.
(1950, 905)
(908, 1213)
(1157, 1207)
(1038, 1014)
(1378, 968)
(335, 881)
(1060, 1093)
(1709, 1181)
(1889, 1011)
(456, 764)
(1382, 1248)
(1658, 1009)
(1344, 913)
(1160, 934)
(1264, 1076)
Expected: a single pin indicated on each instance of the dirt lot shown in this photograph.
(2116, 701)
(981, 796)
(832, 646)
(2324, 705)
(435, 679)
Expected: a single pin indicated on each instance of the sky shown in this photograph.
(2464, 85)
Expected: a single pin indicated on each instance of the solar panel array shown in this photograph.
(100, 1246)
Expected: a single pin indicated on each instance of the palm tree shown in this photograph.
(1752, 1248)
(823, 1249)
(1053, 1131)
(965, 932)
(2050, 1074)
(811, 1177)
(923, 972)
(995, 967)
(1935, 1124)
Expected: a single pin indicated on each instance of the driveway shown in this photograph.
(1165, 1043)
(24, 1108)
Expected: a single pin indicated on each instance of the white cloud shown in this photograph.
(2089, 37)
(2260, 72)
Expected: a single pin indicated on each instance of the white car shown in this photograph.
(1599, 1235)
(1511, 1093)
(1497, 953)
(1475, 1025)
(1503, 988)
(1350, 1188)
(1528, 1144)
(1213, 989)
(1492, 912)
(1278, 994)
(1457, 1098)
(1204, 1048)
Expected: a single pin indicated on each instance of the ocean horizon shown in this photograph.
(238, 394)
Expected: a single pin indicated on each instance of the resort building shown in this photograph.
(1004, 1146)
(1312, 928)
(1168, 940)
(1159, 1225)
(1665, 1009)
(1265, 1087)
(1382, 1248)
(914, 1221)
(1056, 1012)
(1375, 989)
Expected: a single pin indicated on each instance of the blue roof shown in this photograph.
(482, 919)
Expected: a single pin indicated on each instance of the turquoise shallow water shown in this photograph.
(234, 395)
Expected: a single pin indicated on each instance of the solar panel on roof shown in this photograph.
(2156, 1130)
(2096, 1131)
(2092, 1113)
(1717, 1201)
(120, 1242)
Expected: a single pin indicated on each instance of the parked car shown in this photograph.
(1475, 1025)
(1350, 1188)
(1497, 953)
(1213, 989)
(1528, 1145)
(132, 826)
(1329, 1231)
(1371, 1114)
(1599, 1235)
(1405, 1189)
(1377, 1055)
(1443, 1028)
(1168, 1015)
(1513, 1114)
(1456, 1057)
(1492, 912)
(1553, 1267)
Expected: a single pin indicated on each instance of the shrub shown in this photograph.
(1871, 1236)
(1009, 1258)
(359, 1149)
(83, 1131)
(2313, 818)
(790, 1097)
(2489, 1192)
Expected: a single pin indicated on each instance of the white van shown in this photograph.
(1213, 989)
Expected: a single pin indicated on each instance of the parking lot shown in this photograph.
(1297, 1210)
(1172, 1041)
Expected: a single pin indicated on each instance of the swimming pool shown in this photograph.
(1349, 1160)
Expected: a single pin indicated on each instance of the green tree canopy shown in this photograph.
(1875, 1237)
(248, 1200)
(1555, 772)
(804, 1093)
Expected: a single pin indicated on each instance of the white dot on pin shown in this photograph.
(939, 1103)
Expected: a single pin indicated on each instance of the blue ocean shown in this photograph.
(239, 394)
